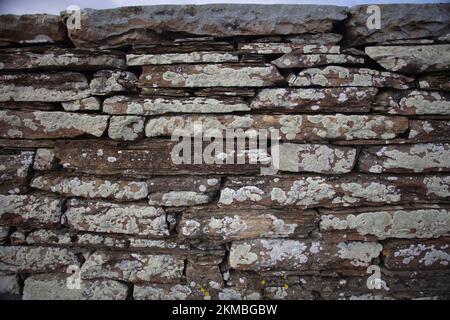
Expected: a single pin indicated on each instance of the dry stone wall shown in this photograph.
(93, 207)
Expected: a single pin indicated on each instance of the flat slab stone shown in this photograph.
(50, 125)
(173, 58)
(142, 105)
(332, 191)
(133, 267)
(220, 226)
(284, 47)
(429, 157)
(59, 59)
(107, 82)
(31, 29)
(55, 287)
(35, 259)
(336, 76)
(380, 223)
(14, 170)
(429, 130)
(439, 82)
(101, 216)
(343, 100)
(412, 102)
(209, 75)
(412, 59)
(280, 254)
(299, 60)
(292, 127)
(91, 187)
(43, 87)
(398, 22)
(140, 25)
(30, 209)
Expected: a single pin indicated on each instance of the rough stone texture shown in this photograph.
(413, 102)
(44, 87)
(133, 267)
(337, 76)
(277, 254)
(91, 187)
(419, 255)
(48, 125)
(107, 82)
(281, 48)
(31, 29)
(209, 75)
(113, 170)
(90, 103)
(59, 59)
(399, 22)
(55, 287)
(292, 127)
(173, 58)
(31, 209)
(14, 170)
(316, 158)
(379, 223)
(298, 60)
(160, 105)
(349, 99)
(331, 192)
(218, 225)
(412, 59)
(35, 259)
(132, 25)
(430, 157)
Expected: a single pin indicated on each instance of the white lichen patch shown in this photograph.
(360, 254)
(126, 128)
(247, 193)
(170, 58)
(422, 254)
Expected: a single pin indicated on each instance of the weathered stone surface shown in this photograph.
(35, 259)
(413, 255)
(205, 278)
(178, 192)
(44, 159)
(31, 209)
(281, 48)
(29, 105)
(218, 225)
(398, 22)
(9, 286)
(163, 292)
(146, 158)
(107, 82)
(412, 59)
(100, 216)
(299, 60)
(379, 223)
(333, 191)
(91, 103)
(55, 287)
(412, 102)
(91, 187)
(46, 237)
(59, 59)
(31, 29)
(139, 25)
(336, 76)
(209, 75)
(315, 38)
(127, 128)
(44, 87)
(434, 82)
(227, 92)
(173, 58)
(316, 158)
(14, 171)
(4, 234)
(429, 130)
(50, 125)
(277, 254)
(430, 157)
(160, 105)
(292, 127)
(346, 99)
(133, 267)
